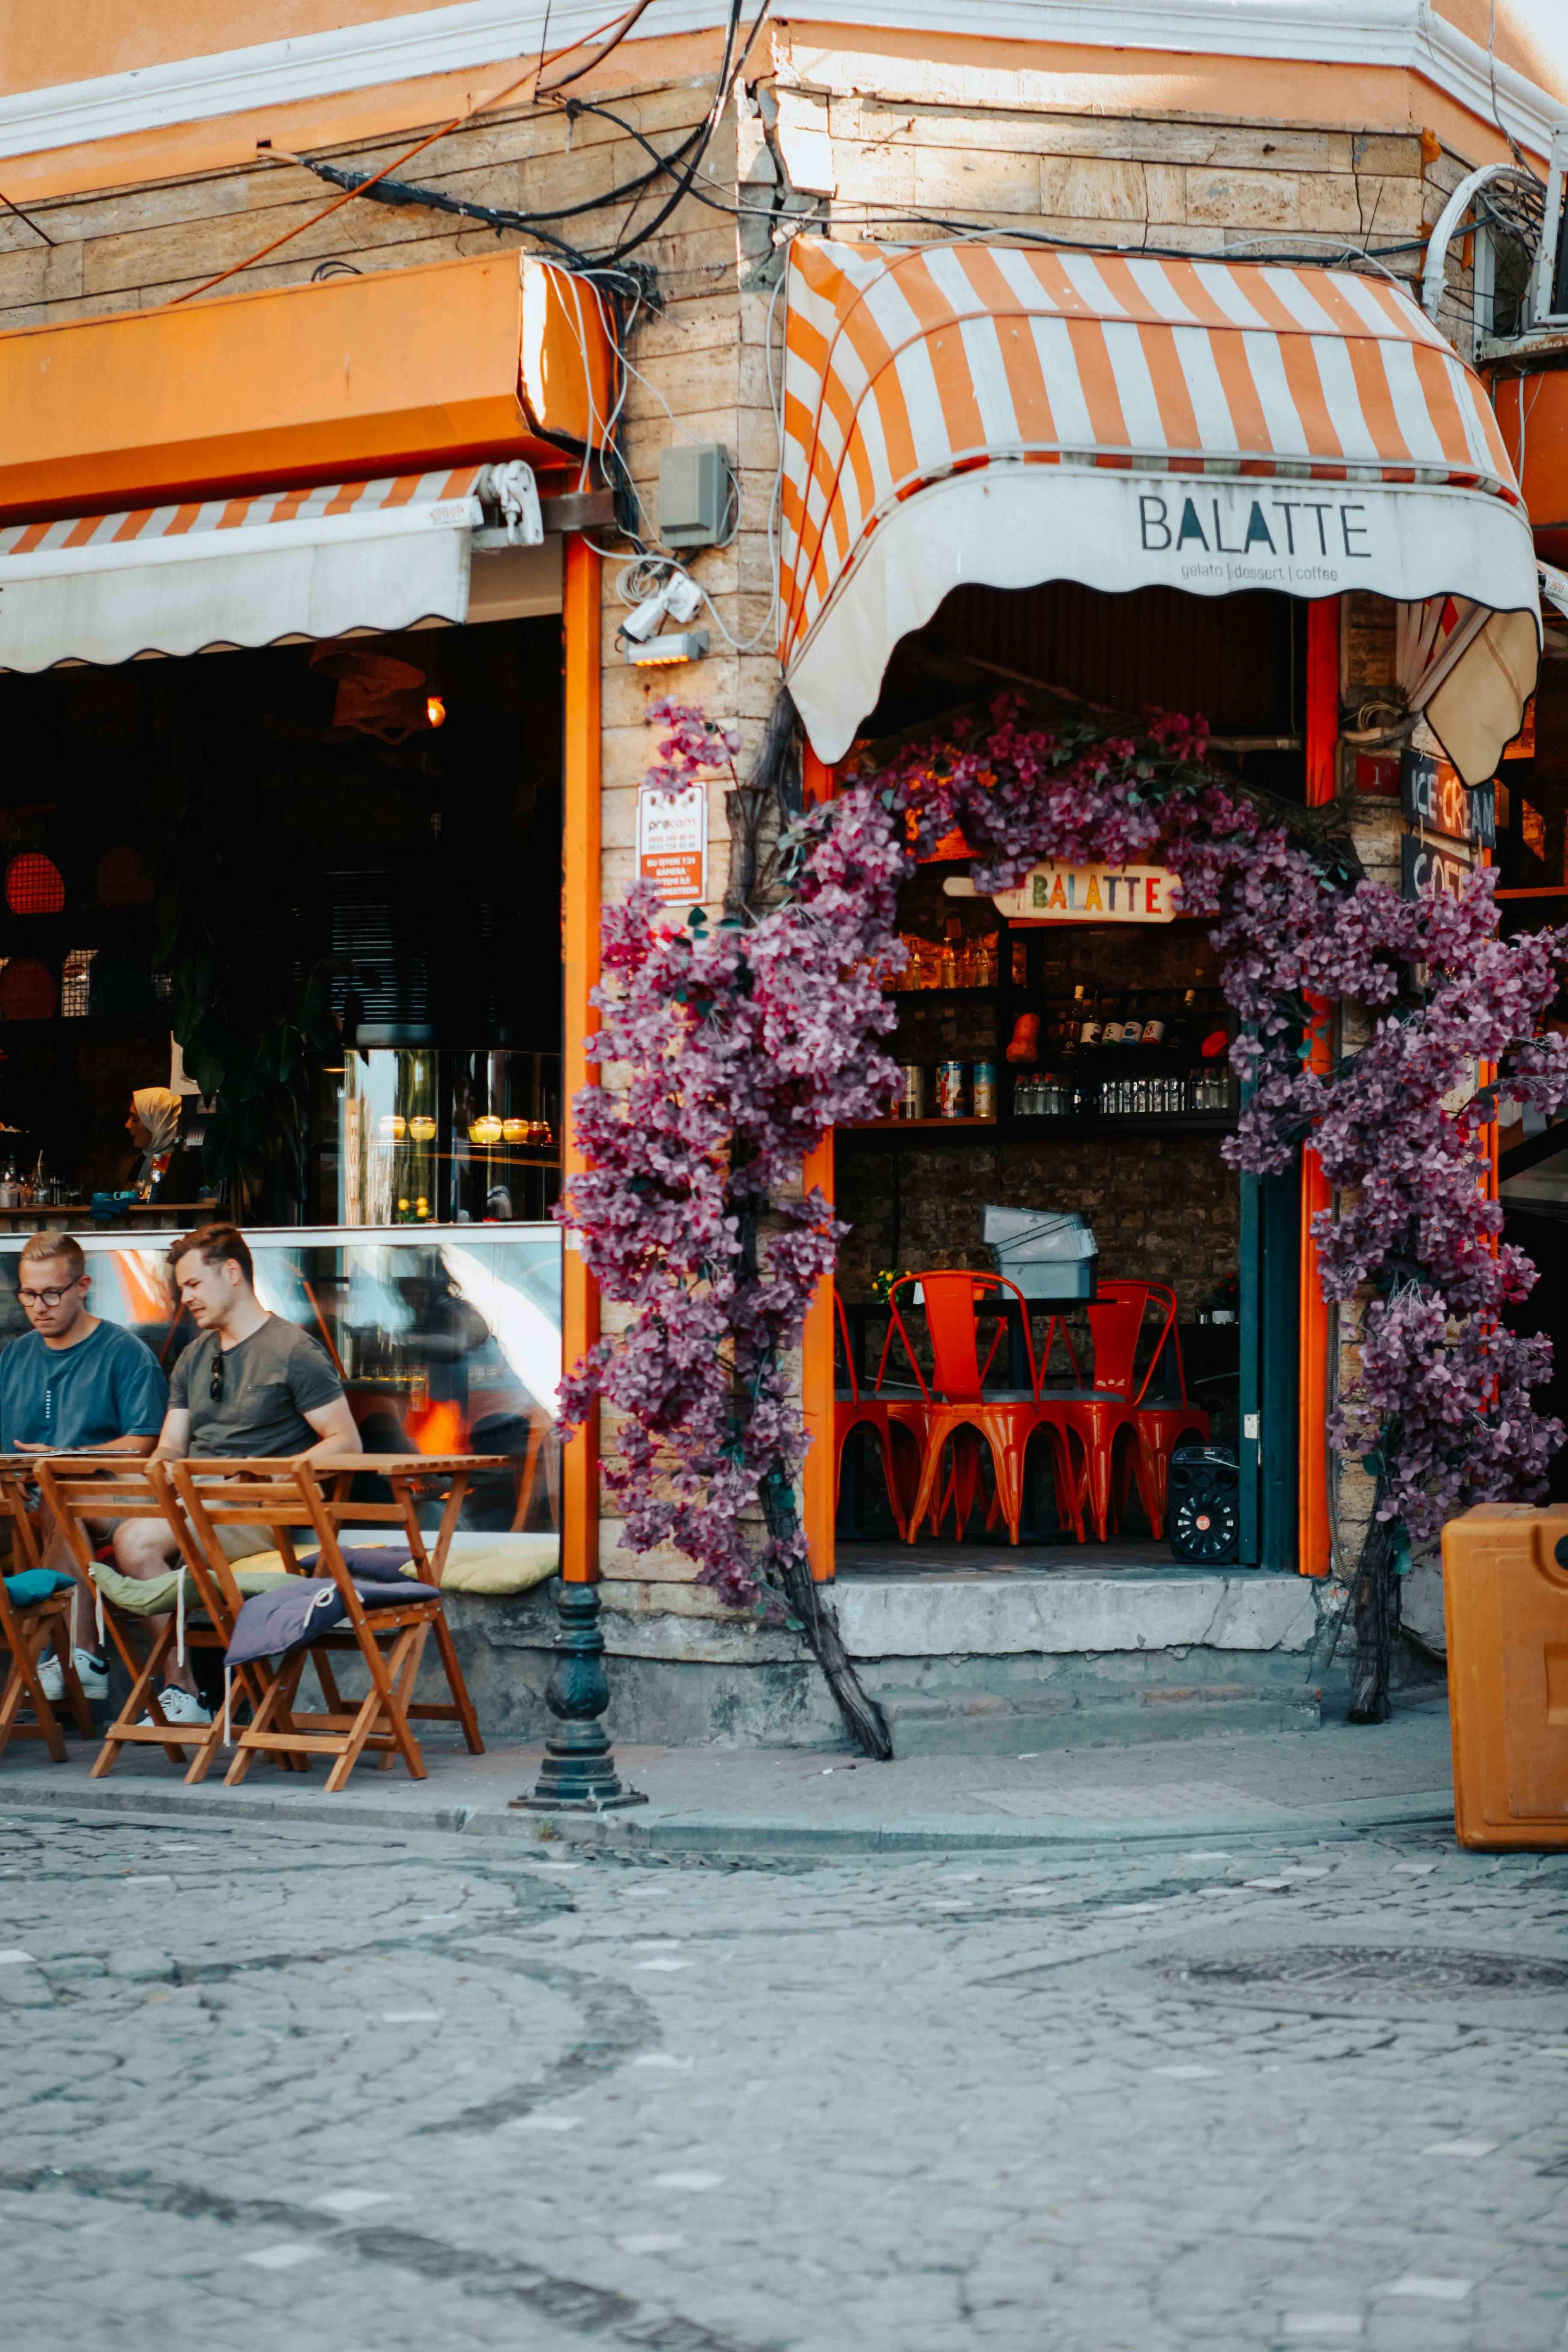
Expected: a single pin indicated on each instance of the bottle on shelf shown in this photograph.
(1154, 1020)
(948, 976)
(1077, 1013)
(1132, 1022)
(1180, 1036)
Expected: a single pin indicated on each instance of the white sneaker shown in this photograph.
(179, 1706)
(91, 1673)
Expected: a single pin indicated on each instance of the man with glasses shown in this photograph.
(249, 1384)
(74, 1382)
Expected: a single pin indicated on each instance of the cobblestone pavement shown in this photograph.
(294, 2089)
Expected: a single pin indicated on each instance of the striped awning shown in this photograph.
(962, 412)
(283, 566)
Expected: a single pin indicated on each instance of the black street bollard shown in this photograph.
(577, 1774)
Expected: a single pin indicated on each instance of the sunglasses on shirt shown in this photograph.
(216, 1390)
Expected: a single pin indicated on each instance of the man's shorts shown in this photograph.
(244, 1543)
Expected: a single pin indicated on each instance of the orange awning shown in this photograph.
(1012, 416)
(397, 372)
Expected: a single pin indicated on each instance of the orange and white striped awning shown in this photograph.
(340, 559)
(962, 412)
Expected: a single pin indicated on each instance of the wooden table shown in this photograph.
(408, 1474)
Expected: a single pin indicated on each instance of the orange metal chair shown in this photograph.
(963, 1415)
(882, 1414)
(1124, 1437)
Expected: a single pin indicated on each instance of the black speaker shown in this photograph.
(1203, 1516)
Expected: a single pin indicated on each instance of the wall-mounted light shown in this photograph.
(665, 652)
(676, 598)
(436, 710)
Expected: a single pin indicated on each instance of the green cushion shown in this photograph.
(153, 1596)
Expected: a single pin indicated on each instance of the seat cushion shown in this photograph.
(36, 1584)
(298, 1609)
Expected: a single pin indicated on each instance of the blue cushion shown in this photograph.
(35, 1584)
(302, 1608)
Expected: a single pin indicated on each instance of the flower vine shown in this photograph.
(729, 1051)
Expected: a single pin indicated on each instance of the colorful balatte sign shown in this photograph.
(1084, 894)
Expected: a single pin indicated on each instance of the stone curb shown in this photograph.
(651, 1831)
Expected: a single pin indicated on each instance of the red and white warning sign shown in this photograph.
(671, 843)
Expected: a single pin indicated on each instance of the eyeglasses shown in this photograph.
(46, 1298)
(216, 1390)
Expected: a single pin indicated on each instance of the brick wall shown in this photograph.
(1163, 1207)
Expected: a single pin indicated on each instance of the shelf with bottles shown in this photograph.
(895, 1125)
(1208, 1092)
(1110, 1035)
(961, 962)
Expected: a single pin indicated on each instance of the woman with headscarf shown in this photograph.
(154, 1128)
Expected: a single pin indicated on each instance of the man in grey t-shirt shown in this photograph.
(250, 1384)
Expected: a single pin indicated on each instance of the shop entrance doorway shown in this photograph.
(1076, 1064)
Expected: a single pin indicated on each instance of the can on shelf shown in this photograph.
(950, 1089)
(911, 1090)
(983, 1102)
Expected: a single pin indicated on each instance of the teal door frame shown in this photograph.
(1270, 1313)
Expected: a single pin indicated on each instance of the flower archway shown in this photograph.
(729, 1051)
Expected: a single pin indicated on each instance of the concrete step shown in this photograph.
(987, 1723)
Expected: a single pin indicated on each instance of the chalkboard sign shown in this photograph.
(1426, 869)
(1431, 792)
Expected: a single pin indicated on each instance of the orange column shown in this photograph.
(817, 1392)
(818, 1478)
(1313, 1554)
(580, 958)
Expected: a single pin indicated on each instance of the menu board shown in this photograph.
(1426, 869)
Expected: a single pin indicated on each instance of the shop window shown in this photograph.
(76, 984)
(28, 990)
(33, 885)
(121, 879)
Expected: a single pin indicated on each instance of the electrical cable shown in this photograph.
(482, 107)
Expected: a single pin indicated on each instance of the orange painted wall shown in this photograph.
(78, 40)
(1065, 77)
(382, 111)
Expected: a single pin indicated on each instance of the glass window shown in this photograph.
(446, 1341)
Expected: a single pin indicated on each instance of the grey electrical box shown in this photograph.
(695, 493)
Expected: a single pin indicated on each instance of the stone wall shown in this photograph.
(1164, 1207)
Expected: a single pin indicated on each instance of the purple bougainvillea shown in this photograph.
(729, 1052)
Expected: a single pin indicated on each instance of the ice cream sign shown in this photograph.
(1084, 894)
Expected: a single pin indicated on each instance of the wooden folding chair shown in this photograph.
(27, 1630)
(291, 1499)
(115, 1486)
